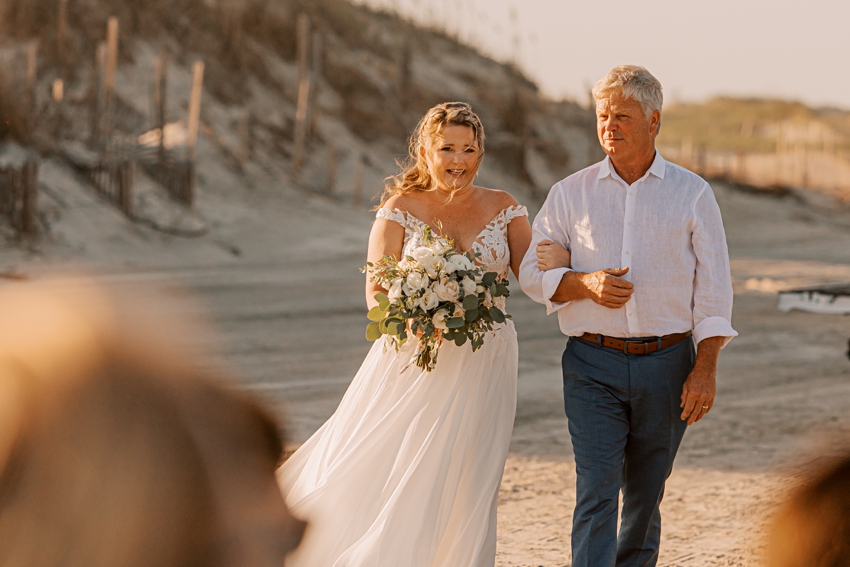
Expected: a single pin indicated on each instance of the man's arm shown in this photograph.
(556, 288)
(605, 287)
(701, 385)
(712, 307)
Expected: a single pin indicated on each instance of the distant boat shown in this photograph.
(829, 299)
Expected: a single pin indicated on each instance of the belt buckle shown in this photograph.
(644, 343)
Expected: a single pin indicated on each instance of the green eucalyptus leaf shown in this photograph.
(497, 315)
(501, 290)
(471, 315)
(395, 326)
(460, 340)
(454, 322)
(372, 332)
(470, 302)
(489, 278)
(376, 313)
(383, 300)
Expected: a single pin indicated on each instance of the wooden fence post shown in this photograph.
(195, 108)
(126, 179)
(62, 22)
(160, 84)
(99, 96)
(58, 98)
(29, 198)
(110, 68)
(301, 124)
(187, 175)
(304, 87)
(315, 76)
(32, 70)
(303, 39)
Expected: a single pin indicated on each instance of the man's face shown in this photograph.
(624, 131)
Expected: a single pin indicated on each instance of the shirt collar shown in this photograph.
(658, 167)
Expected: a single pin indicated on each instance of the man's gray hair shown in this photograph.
(635, 83)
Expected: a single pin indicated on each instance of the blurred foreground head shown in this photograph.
(115, 452)
(812, 528)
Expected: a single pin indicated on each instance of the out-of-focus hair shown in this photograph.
(116, 452)
(633, 82)
(415, 174)
(812, 528)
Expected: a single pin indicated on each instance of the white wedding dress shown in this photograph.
(406, 472)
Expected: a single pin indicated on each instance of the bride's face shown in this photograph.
(453, 157)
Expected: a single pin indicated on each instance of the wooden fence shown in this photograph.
(176, 176)
(824, 171)
(19, 196)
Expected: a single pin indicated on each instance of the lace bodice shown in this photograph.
(491, 243)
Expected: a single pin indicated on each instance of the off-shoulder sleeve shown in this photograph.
(394, 215)
(515, 211)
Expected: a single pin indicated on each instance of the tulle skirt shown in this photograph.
(406, 472)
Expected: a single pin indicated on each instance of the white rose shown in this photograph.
(427, 260)
(405, 264)
(395, 289)
(447, 291)
(429, 300)
(459, 311)
(439, 320)
(479, 288)
(469, 286)
(418, 280)
(438, 248)
(423, 255)
(461, 261)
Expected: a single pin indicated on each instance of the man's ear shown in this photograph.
(655, 121)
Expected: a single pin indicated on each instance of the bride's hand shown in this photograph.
(551, 255)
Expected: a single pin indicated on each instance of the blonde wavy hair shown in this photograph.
(415, 175)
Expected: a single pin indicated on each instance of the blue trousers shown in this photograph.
(623, 412)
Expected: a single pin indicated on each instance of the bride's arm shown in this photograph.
(551, 255)
(386, 239)
(519, 238)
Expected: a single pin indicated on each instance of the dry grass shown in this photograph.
(746, 125)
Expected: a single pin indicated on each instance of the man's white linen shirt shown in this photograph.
(665, 227)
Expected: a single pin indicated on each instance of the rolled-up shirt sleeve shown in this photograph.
(713, 279)
(549, 224)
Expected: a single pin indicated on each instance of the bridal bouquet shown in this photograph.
(435, 294)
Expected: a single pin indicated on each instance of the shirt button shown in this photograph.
(630, 193)
(630, 224)
(627, 251)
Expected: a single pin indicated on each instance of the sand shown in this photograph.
(288, 321)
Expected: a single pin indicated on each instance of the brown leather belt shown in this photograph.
(639, 346)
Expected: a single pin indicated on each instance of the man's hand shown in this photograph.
(608, 288)
(701, 385)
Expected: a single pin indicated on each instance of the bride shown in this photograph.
(407, 471)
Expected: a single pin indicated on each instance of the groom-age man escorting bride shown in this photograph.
(649, 277)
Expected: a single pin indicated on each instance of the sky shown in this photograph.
(791, 49)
